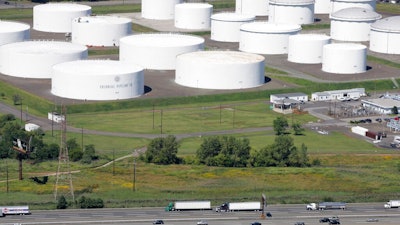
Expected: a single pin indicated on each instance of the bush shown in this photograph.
(87, 203)
(62, 203)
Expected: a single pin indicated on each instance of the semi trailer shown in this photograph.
(239, 206)
(326, 205)
(188, 205)
(14, 210)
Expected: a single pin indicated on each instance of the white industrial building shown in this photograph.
(252, 7)
(307, 48)
(322, 7)
(341, 95)
(291, 11)
(97, 80)
(383, 105)
(342, 4)
(34, 59)
(159, 10)
(385, 35)
(157, 51)
(352, 24)
(266, 38)
(299, 97)
(57, 17)
(100, 30)
(344, 58)
(193, 16)
(225, 27)
(11, 32)
(220, 70)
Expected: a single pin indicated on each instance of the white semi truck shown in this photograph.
(188, 205)
(14, 210)
(392, 204)
(326, 205)
(239, 206)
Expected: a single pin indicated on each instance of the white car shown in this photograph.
(202, 222)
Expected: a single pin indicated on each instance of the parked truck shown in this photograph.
(326, 205)
(14, 210)
(239, 206)
(188, 205)
(392, 204)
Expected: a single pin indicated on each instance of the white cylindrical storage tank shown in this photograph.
(226, 26)
(266, 38)
(159, 9)
(352, 24)
(97, 80)
(193, 15)
(11, 32)
(220, 70)
(307, 48)
(291, 11)
(385, 35)
(57, 17)
(100, 30)
(344, 58)
(322, 6)
(157, 51)
(337, 5)
(252, 7)
(34, 59)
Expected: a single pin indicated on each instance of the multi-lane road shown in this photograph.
(281, 215)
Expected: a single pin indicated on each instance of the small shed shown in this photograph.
(298, 97)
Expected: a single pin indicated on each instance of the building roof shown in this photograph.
(386, 103)
(288, 95)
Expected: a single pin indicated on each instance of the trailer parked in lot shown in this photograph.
(326, 205)
(188, 205)
(14, 210)
(239, 206)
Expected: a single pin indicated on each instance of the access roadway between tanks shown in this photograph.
(356, 214)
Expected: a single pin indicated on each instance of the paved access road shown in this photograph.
(281, 214)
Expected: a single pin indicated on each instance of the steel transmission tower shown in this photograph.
(64, 184)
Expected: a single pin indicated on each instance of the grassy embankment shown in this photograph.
(351, 170)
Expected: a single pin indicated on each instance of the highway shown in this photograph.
(281, 214)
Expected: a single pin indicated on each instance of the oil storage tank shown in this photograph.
(252, 7)
(385, 35)
(337, 5)
(157, 51)
(266, 38)
(100, 30)
(11, 32)
(344, 58)
(352, 24)
(225, 26)
(34, 59)
(322, 6)
(159, 9)
(193, 15)
(220, 70)
(97, 80)
(307, 48)
(57, 17)
(291, 11)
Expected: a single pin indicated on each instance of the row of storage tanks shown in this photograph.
(73, 77)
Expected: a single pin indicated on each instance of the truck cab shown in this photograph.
(222, 208)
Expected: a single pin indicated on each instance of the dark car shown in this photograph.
(158, 222)
(368, 120)
(334, 221)
(255, 223)
(299, 223)
(324, 220)
(268, 214)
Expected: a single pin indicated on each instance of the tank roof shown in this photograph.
(62, 7)
(194, 5)
(223, 57)
(353, 1)
(345, 46)
(98, 67)
(388, 24)
(45, 47)
(292, 2)
(162, 39)
(103, 19)
(355, 14)
(11, 26)
(232, 17)
(265, 27)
